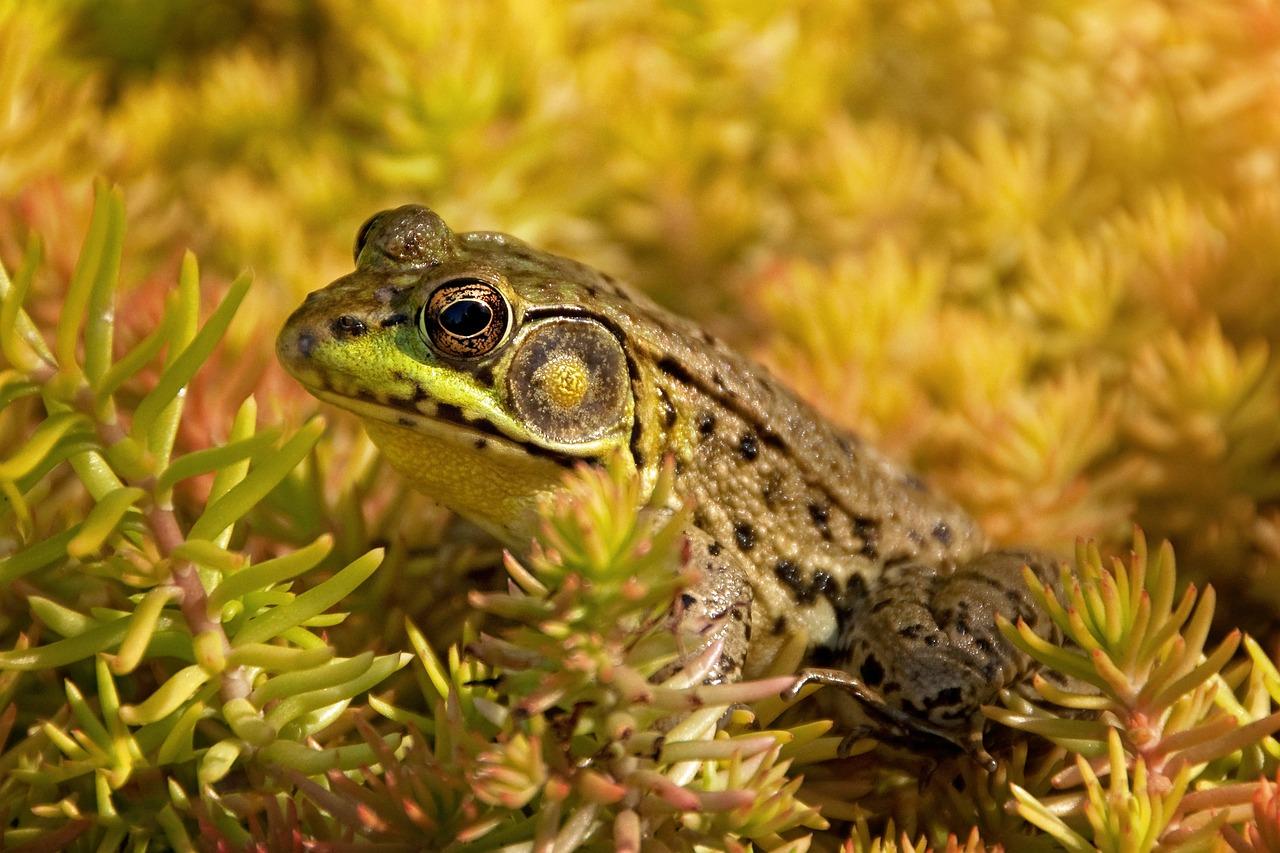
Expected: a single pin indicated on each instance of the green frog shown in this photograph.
(483, 367)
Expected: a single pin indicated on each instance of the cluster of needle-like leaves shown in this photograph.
(174, 676)
(552, 731)
(1168, 737)
(177, 657)
(1027, 247)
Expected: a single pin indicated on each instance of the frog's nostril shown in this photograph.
(347, 326)
(306, 343)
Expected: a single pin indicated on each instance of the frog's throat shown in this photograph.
(488, 479)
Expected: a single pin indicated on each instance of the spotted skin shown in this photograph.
(800, 527)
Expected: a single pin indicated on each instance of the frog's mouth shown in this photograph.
(445, 422)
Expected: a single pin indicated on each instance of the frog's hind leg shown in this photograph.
(716, 609)
(924, 649)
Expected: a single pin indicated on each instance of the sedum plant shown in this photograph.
(176, 673)
(181, 657)
(1028, 247)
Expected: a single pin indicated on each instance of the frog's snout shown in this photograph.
(302, 334)
(295, 344)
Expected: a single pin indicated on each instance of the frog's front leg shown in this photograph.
(717, 608)
(923, 650)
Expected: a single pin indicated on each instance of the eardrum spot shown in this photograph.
(567, 380)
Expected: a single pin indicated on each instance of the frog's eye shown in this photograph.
(465, 318)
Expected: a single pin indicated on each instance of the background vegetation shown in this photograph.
(1028, 248)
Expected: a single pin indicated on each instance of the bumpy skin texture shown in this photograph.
(801, 526)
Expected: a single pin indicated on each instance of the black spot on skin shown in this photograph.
(714, 549)
(748, 447)
(780, 625)
(882, 604)
(688, 600)
(871, 672)
(821, 583)
(707, 424)
(405, 422)
(942, 533)
(911, 632)
(931, 640)
(395, 320)
(347, 326)
(916, 537)
(481, 443)
(868, 530)
(984, 646)
(745, 535)
(949, 696)
(789, 573)
(890, 687)
(820, 514)
(825, 656)
(485, 375)
(674, 369)
(668, 410)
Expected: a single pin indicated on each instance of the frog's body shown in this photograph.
(799, 525)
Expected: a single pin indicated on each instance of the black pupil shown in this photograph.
(466, 317)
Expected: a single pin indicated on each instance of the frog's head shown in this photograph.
(477, 363)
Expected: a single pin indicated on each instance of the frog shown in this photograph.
(483, 368)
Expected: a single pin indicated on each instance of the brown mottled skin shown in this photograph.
(799, 525)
